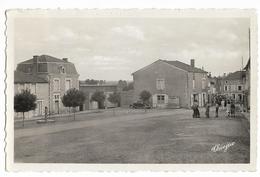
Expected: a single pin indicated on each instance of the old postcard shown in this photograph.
(131, 90)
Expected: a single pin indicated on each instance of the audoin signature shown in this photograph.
(222, 147)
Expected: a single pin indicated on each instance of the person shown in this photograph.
(46, 113)
(228, 108)
(233, 107)
(217, 107)
(207, 110)
(195, 107)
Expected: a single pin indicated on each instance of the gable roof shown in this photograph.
(184, 66)
(45, 59)
(20, 77)
(247, 65)
(177, 64)
(235, 75)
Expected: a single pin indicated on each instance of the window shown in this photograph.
(193, 84)
(239, 87)
(160, 99)
(56, 97)
(67, 84)
(226, 82)
(56, 84)
(62, 69)
(225, 88)
(160, 84)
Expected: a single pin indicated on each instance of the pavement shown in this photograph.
(126, 136)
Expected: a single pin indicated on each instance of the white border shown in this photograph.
(147, 13)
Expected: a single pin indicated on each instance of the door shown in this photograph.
(56, 107)
(39, 107)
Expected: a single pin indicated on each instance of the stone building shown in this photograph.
(50, 79)
(233, 86)
(172, 83)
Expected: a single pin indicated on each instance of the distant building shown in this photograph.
(48, 78)
(89, 90)
(172, 84)
(233, 86)
(247, 86)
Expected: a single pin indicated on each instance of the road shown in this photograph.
(156, 136)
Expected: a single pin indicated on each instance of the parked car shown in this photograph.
(140, 105)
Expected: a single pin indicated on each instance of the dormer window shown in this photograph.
(62, 69)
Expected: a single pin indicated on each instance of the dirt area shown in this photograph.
(164, 136)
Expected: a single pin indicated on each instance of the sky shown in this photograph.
(113, 48)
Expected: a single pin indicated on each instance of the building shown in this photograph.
(37, 86)
(89, 90)
(48, 78)
(233, 86)
(246, 79)
(172, 84)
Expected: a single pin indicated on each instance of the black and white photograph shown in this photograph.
(131, 87)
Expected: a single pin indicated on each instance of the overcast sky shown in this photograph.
(113, 48)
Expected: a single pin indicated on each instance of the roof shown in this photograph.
(235, 76)
(45, 59)
(184, 66)
(180, 65)
(20, 77)
(247, 65)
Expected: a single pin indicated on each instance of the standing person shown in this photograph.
(197, 110)
(228, 108)
(207, 110)
(217, 107)
(233, 107)
(46, 113)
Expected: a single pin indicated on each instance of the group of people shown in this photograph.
(229, 104)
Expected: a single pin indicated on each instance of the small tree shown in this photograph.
(73, 98)
(145, 96)
(99, 97)
(114, 98)
(24, 102)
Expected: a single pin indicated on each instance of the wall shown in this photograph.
(175, 81)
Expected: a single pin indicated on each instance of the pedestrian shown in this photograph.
(195, 107)
(207, 110)
(217, 107)
(46, 113)
(233, 109)
(228, 108)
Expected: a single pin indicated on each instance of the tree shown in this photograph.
(24, 102)
(114, 98)
(99, 97)
(73, 98)
(145, 96)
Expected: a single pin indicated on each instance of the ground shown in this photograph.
(125, 136)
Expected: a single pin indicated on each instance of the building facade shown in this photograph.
(59, 75)
(233, 86)
(172, 84)
(246, 79)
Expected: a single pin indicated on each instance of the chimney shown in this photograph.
(35, 64)
(192, 62)
(35, 59)
(65, 59)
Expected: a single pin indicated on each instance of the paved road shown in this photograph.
(165, 136)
